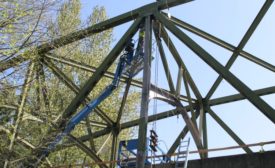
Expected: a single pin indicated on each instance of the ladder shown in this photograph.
(183, 152)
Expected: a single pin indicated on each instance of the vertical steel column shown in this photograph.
(203, 126)
(114, 150)
(204, 130)
(141, 153)
(202, 113)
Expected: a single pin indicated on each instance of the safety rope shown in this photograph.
(155, 109)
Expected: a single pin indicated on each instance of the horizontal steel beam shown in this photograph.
(89, 68)
(237, 97)
(107, 74)
(129, 124)
(133, 123)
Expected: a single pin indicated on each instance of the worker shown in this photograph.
(129, 49)
(140, 47)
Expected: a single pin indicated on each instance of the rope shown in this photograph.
(155, 108)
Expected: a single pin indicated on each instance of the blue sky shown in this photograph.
(228, 20)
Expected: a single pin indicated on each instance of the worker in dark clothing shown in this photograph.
(129, 49)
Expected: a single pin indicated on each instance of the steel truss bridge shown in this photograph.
(157, 24)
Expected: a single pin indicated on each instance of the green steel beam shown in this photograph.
(241, 45)
(90, 68)
(183, 111)
(176, 55)
(123, 102)
(205, 135)
(107, 74)
(181, 136)
(87, 150)
(95, 124)
(114, 150)
(179, 82)
(237, 97)
(228, 130)
(265, 108)
(193, 130)
(164, 61)
(176, 143)
(168, 98)
(257, 60)
(107, 62)
(193, 114)
(142, 131)
(70, 84)
(129, 124)
(90, 133)
(97, 28)
(152, 118)
(110, 23)
(222, 43)
(89, 85)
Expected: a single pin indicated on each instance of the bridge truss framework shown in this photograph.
(157, 23)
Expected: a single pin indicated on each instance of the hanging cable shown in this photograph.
(153, 134)
(155, 107)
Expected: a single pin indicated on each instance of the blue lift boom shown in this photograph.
(124, 66)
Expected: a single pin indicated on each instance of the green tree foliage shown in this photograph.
(49, 96)
(21, 25)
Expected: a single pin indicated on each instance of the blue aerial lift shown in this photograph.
(127, 151)
(129, 64)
